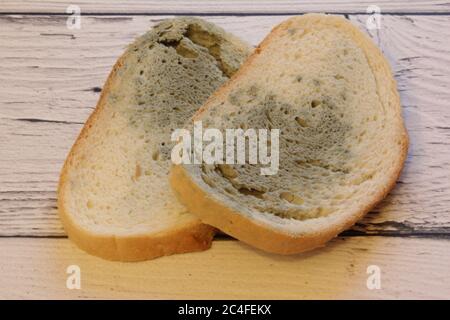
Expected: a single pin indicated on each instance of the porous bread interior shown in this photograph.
(117, 175)
(341, 132)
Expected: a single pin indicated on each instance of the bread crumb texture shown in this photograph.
(342, 141)
(115, 180)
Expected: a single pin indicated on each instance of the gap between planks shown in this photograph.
(267, 7)
(220, 14)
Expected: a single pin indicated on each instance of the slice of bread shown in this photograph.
(114, 197)
(331, 93)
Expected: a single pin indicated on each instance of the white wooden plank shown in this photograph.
(49, 84)
(222, 6)
(410, 268)
(51, 77)
(419, 52)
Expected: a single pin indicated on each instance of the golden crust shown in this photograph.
(188, 238)
(262, 236)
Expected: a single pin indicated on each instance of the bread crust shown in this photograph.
(263, 236)
(195, 236)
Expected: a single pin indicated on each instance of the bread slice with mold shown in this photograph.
(342, 145)
(114, 196)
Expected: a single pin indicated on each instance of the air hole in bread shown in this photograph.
(251, 192)
(363, 178)
(315, 103)
(186, 51)
(291, 198)
(137, 172)
(155, 155)
(208, 180)
(227, 171)
(230, 190)
(302, 122)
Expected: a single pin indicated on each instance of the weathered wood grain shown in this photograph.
(419, 51)
(222, 6)
(50, 78)
(410, 268)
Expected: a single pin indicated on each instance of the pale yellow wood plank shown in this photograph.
(222, 6)
(410, 268)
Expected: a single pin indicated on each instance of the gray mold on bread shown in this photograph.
(331, 93)
(314, 150)
(198, 61)
(114, 197)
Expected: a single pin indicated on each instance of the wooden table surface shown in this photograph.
(51, 78)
